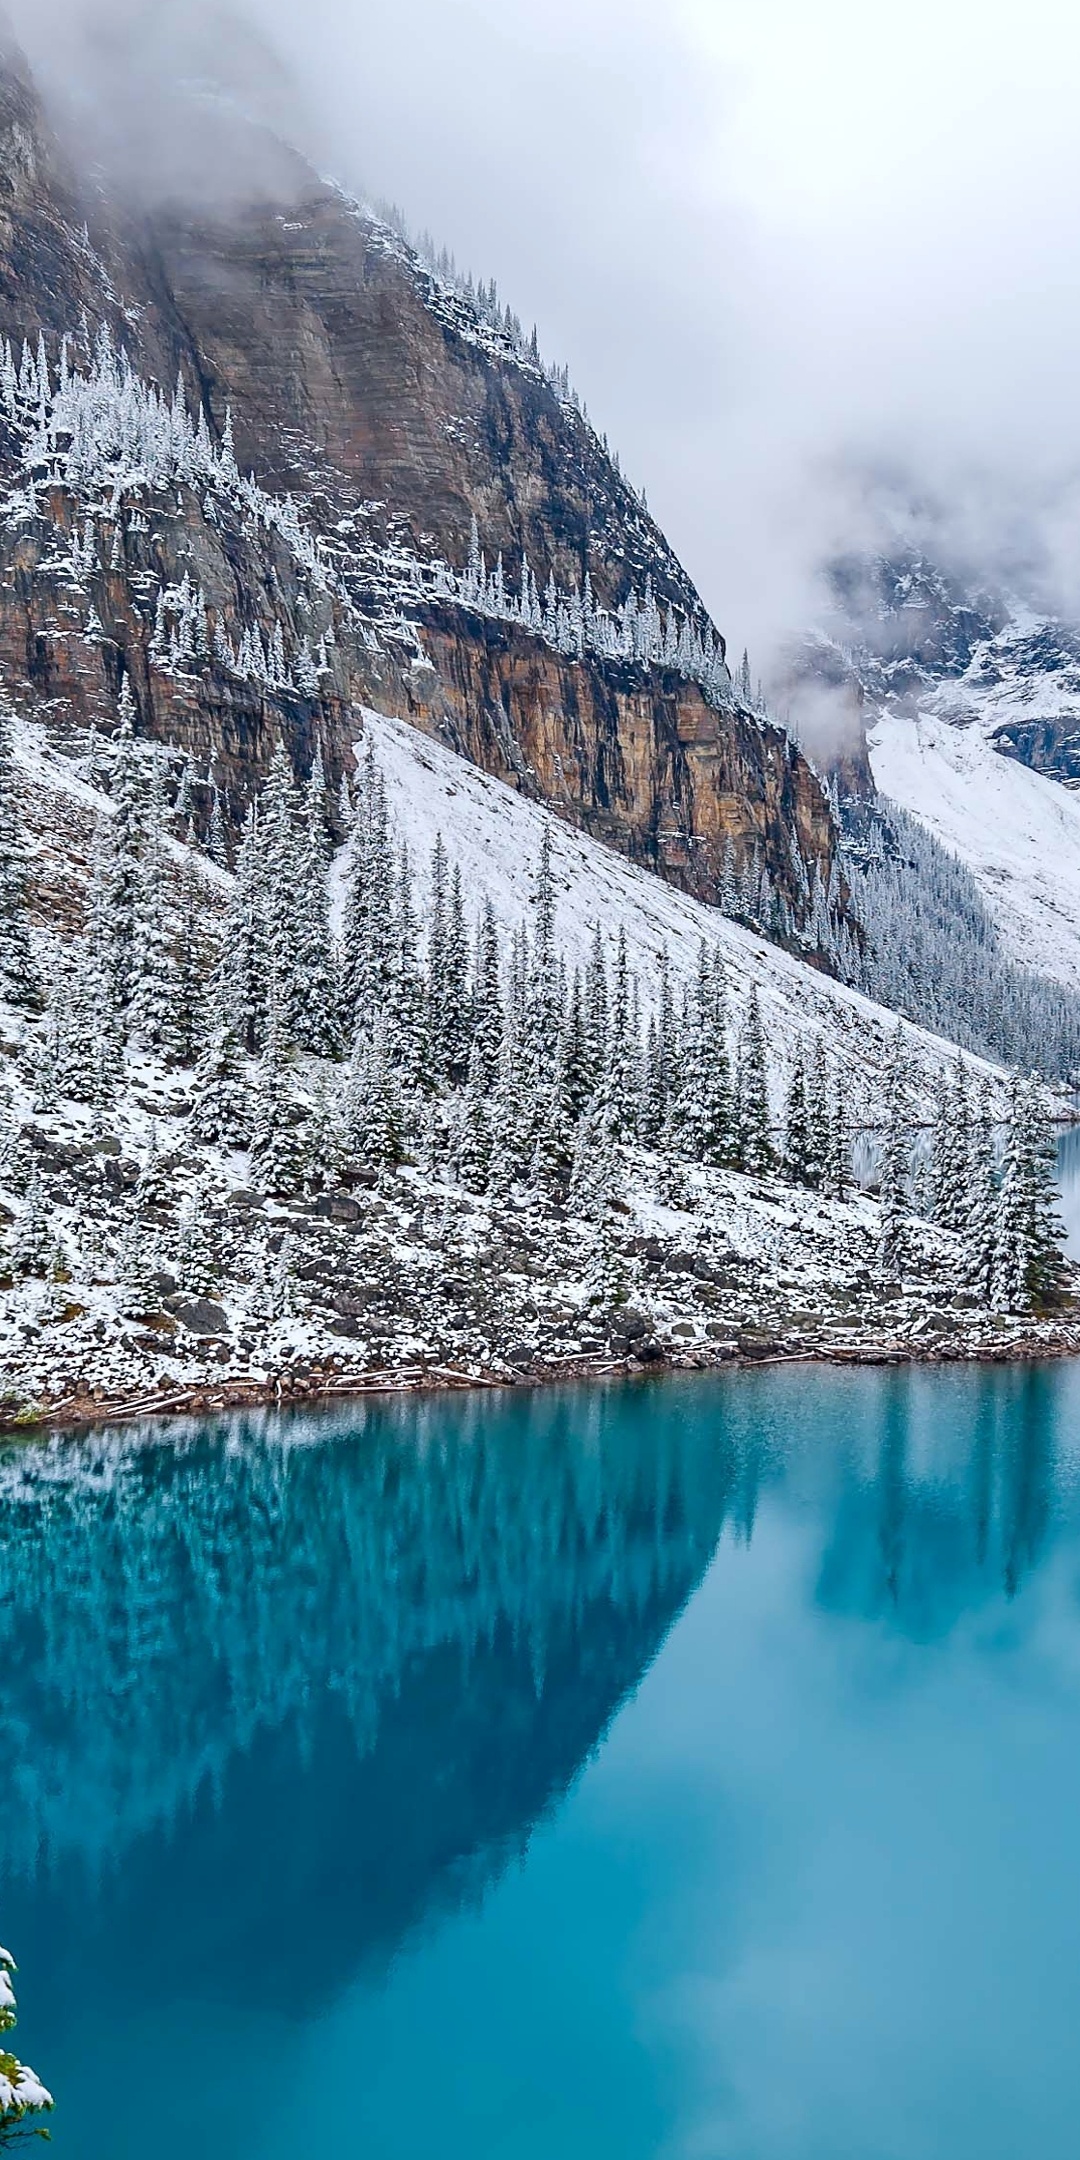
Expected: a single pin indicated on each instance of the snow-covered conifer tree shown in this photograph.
(487, 1011)
(620, 1080)
(951, 1149)
(245, 955)
(368, 932)
(275, 1148)
(32, 1237)
(798, 1161)
(316, 1017)
(755, 1142)
(217, 841)
(20, 982)
(153, 974)
(472, 1136)
(894, 1173)
(544, 1003)
(594, 1178)
(371, 1107)
(981, 1215)
(1029, 1267)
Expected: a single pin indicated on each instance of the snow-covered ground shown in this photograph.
(495, 835)
(1016, 830)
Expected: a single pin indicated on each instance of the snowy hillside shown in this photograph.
(495, 836)
(971, 704)
(952, 763)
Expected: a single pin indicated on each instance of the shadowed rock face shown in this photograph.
(379, 400)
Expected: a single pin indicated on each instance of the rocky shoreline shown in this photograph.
(1027, 1341)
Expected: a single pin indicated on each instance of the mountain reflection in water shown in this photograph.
(288, 1699)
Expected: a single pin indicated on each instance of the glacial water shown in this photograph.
(687, 1770)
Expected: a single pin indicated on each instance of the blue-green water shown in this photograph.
(688, 1771)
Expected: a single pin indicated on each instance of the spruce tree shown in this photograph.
(221, 1101)
(368, 929)
(755, 1143)
(594, 1176)
(245, 961)
(316, 992)
(32, 1237)
(818, 1122)
(620, 1084)
(513, 1110)
(153, 976)
(188, 967)
(894, 1174)
(20, 981)
(275, 1151)
(981, 1213)
(487, 1012)
(1029, 1262)
(122, 847)
(544, 1003)
(798, 1155)
(951, 1152)
(472, 1139)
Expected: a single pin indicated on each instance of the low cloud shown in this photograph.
(785, 252)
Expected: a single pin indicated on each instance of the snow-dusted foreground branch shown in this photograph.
(23, 2097)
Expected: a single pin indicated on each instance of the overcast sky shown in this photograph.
(776, 243)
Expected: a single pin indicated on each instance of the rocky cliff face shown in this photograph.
(381, 413)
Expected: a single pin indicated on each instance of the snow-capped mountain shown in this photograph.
(968, 705)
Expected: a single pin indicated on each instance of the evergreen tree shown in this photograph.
(407, 1020)
(275, 1150)
(798, 1153)
(316, 1019)
(620, 1083)
(199, 1258)
(755, 1143)
(371, 1107)
(513, 1117)
(188, 968)
(544, 1003)
(368, 931)
(981, 1215)
(595, 1015)
(221, 1102)
(951, 1152)
(217, 839)
(122, 845)
(594, 1177)
(283, 892)
(472, 1140)
(605, 1283)
(245, 952)
(153, 974)
(137, 1268)
(894, 1173)
(1029, 1263)
(20, 981)
(154, 1189)
(553, 1153)
(32, 1237)
(818, 1122)
(487, 1012)
(838, 1159)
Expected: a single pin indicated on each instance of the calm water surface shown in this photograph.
(688, 1771)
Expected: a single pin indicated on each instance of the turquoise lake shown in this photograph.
(688, 1768)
